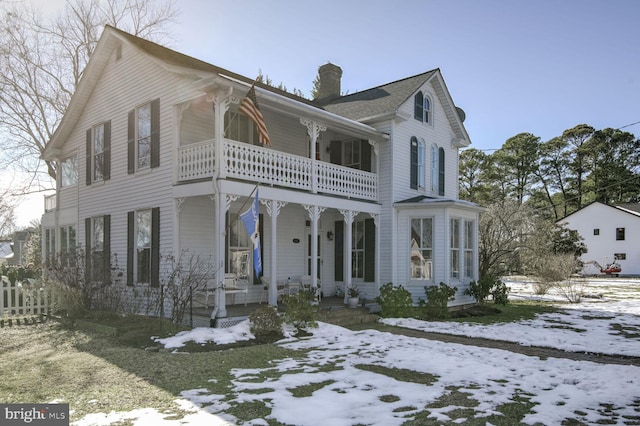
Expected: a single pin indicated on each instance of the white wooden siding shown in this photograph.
(601, 248)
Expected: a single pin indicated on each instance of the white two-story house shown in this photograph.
(357, 190)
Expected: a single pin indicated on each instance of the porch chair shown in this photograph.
(232, 286)
(265, 289)
(305, 280)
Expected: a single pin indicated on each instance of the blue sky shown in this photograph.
(514, 66)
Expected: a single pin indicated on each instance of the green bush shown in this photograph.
(488, 285)
(436, 305)
(500, 293)
(395, 302)
(265, 323)
(300, 311)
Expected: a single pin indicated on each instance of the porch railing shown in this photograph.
(50, 203)
(266, 165)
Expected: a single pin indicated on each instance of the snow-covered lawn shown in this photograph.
(347, 378)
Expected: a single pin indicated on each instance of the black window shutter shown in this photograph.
(131, 142)
(106, 253)
(106, 169)
(369, 250)
(418, 111)
(88, 156)
(441, 171)
(339, 250)
(155, 247)
(365, 155)
(414, 163)
(336, 152)
(87, 253)
(130, 246)
(155, 133)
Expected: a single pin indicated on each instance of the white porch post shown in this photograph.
(376, 222)
(314, 214)
(349, 215)
(313, 130)
(221, 99)
(223, 201)
(176, 225)
(273, 210)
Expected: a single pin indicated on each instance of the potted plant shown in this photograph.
(354, 297)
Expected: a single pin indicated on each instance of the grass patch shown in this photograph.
(629, 332)
(400, 374)
(95, 373)
(308, 390)
(511, 312)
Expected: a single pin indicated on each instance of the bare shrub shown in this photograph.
(184, 276)
(556, 271)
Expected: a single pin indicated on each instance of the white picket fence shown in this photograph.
(24, 299)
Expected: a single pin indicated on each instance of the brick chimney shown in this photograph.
(330, 76)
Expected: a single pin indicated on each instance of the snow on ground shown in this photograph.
(349, 394)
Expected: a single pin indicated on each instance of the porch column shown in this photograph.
(313, 130)
(349, 215)
(273, 210)
(221, 99)
(176, 225)
(314, 214)
(223, 201)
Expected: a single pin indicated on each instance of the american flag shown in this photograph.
(249, 107)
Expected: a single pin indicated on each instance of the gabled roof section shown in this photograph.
(629, 208)
(378, 100)
(384, 101)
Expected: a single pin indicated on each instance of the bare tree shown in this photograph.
(42, 59)
(7, 214)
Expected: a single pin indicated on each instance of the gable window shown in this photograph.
(99, 153)
(421, 249)
(69, 175)
(454, 231)
(143, 247)
(143, 142)
(98, 251)
(422, 108)
(619, 234)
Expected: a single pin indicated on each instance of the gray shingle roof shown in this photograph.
(378, 100)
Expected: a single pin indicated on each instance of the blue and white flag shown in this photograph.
(250, 219)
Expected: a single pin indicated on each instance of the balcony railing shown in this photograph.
(266, 165)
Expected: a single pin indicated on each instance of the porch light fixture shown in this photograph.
(330, 235)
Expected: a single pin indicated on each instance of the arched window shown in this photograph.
(435, 170)
(422, 108)
(413, 163)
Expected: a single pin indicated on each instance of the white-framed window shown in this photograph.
(422, 108)
(240, 249)
(454, 232)
(67, 244)
(49, 246)
(143, 246)
(421, 249)
(143, 136)
(97, 152)
(351, 153)
(69, 168)
(97, 248)
(422, 153)
(357, 249)
(239, 128)
(469, 248)
(435, 181)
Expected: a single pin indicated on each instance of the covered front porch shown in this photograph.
(329, 240)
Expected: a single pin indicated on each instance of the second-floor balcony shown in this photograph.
(268, 166)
